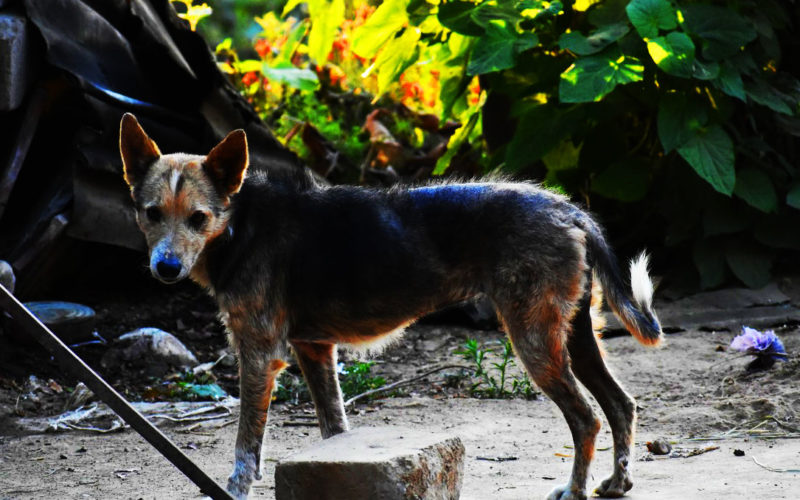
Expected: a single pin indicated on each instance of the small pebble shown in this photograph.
(659, 446)
(738, 453)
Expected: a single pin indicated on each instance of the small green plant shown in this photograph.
(353, 379)
(491, 382)
(356, 379)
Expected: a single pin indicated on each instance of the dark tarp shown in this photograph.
(101, 59)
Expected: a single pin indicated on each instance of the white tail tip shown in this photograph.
(641, 284)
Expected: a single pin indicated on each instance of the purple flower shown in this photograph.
(765, 344)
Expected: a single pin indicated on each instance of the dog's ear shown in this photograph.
(137, 150)
(227, 163)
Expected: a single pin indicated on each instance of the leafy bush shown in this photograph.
(673, 119)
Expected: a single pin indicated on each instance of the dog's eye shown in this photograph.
(197, 219)
(153, 214)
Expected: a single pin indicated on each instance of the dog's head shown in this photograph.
(182, 201)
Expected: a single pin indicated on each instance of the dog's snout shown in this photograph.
(168, 268)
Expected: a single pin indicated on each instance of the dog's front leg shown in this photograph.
(318, 362)
(257, 374)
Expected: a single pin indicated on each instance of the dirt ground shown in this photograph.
(692, 391)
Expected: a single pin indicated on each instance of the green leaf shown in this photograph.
(679, 119)
(292, 43)
(710, 263)
(730, 81)
(648, 16)
(750, 264)
(457, 16)
(303, 79)
(721, 30)
(626, 181)
(767, 95)
(673, 53)
(705, 70)
(793, 196)
(710, 153)
(577, 42)
(488, 12)
(771, 231)
(590, 78)
(497, 48)
(563, 157)
(755, 187)
(382, 25)
(458, 138)
(539, 131)
(607, 12)
(326, 16)
(400, 53)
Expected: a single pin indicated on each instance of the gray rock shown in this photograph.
(15, 60)
(7, 278)
(154, 349)
(386, 463)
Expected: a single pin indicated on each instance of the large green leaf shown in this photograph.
(793, 197)
(381, 26)
(673, 53)
(398, 54)
(730, 81)
(457, 16)
(750, 263)
(648, 16)
(627, 181)
(755, 187)
(303, 79)
(765, 94)
(590, 78)
(679, 118)
(583, 45)
(710, 153)
(722, 31)
(540, 130)
(326, 16)
(497, 48)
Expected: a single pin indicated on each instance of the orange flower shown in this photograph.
(263, 47)
(249, 78)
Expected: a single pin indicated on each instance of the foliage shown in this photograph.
(676, 114)
(491, 382)
(356, 379)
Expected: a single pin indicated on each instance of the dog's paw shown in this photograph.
(564, 492)
(614, 487)
(238, 486)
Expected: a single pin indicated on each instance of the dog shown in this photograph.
(299, 266)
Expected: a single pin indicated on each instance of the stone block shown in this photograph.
(374, 463)
(15, 60)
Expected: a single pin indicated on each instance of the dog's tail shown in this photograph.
(636, 311)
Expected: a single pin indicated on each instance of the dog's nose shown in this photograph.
(168, 268)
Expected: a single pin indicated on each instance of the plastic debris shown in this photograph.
(765, 346)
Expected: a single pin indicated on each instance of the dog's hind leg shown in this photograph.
(619, 407)
(539, 338)
(257, 374)
(318, 362)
